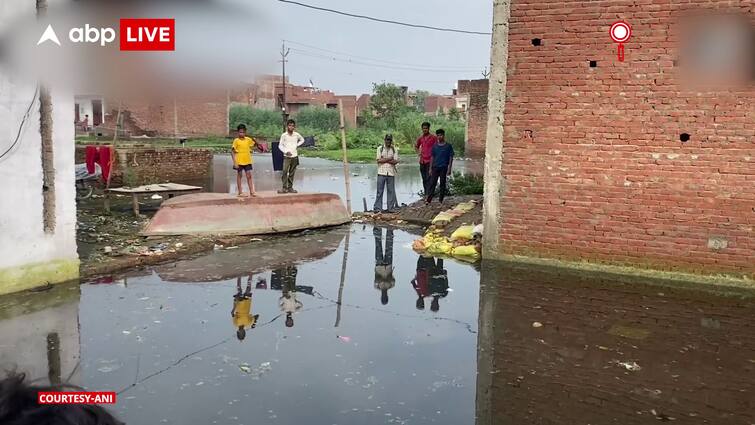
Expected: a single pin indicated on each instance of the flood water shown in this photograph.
(361, 347)
(321, 175)
(378, 335)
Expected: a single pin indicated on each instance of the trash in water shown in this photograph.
(108, 249)
(179, 245)
(344, 338)
(537, 325)
(126, 333)
(630, 366)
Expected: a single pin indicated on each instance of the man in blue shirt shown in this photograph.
(440, 166)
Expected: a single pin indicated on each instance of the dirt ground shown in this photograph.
(110, 242)
(419, 213)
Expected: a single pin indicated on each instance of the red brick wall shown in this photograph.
(593, 164)
(157, 165)
(196, 117)
(477, 116)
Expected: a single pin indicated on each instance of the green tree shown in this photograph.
(419, 100)
(387, 102)
(318, 118)
(454, 114)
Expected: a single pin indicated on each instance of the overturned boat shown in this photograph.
(266, 213)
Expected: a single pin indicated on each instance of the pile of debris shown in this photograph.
(464, 243)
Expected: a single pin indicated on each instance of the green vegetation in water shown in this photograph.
(466, 184)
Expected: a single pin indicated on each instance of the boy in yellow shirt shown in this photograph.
(242, 309)
(241, 152)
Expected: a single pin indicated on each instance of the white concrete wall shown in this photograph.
(22, 237)
(85, 108)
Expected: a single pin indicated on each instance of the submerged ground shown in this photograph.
(380, 335)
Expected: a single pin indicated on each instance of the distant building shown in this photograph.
(267, 93)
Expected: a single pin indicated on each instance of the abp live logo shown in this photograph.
(148, 34)
(135, 35)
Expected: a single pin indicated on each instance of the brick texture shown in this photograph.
(477, 116)
(593, 166)
(196, 117)
(136, 166)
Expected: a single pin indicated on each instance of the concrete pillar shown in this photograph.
(499, 56)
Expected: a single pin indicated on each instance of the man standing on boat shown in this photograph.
(289, 142)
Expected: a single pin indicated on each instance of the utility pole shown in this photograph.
(485, 73)
(284, 55)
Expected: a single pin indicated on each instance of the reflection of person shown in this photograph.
(288, 303)
(387, 158)
(383, 263)
(242, 309)
(438, 284)
(424, 147)
(19, 405)
(421, 282)
(440, 166)
(289, 142)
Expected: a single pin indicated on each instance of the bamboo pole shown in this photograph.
(112, 150)
(346, 174)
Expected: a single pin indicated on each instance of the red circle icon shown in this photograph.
(620, 32)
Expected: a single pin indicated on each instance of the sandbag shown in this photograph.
(419, 245)
(463, 233)
(443, 248)
(442, 218)
(466, 252)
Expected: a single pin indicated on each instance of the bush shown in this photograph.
(409, 126)
(319, 119)
(259, 122)
(466, 184)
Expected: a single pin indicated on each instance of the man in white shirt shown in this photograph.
(289, 142)
(387, 158)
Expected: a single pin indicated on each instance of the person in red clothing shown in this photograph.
(424, 149)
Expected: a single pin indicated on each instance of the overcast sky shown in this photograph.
(383, 41)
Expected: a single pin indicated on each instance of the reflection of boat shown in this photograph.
(268, 212)
(253, 258)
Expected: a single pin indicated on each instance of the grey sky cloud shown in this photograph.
(442, 57)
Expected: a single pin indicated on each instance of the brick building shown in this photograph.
(267, 93)
(439, 105)
(194, 117)
(476, 92)
(615, 162)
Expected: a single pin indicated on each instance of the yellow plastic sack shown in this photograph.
(442, 218)
(465, 206)
(466, 252)
(442, 247)
(462, 233)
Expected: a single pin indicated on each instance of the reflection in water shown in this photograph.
(384, 279)
(285, 280)
(242, 309)
(430, 281)
(39, 334)
(558, 347)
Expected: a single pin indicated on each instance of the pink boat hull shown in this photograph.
(267, 213)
